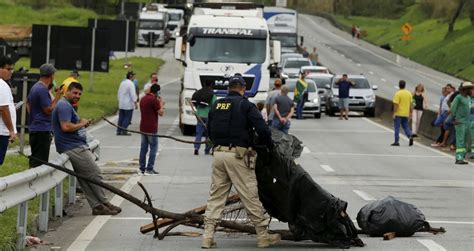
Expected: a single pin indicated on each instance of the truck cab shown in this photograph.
(176, 21)
(152, 26)
(219, 43)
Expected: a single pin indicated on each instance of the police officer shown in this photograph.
(231, 125)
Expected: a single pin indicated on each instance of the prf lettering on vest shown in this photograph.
(223, 106)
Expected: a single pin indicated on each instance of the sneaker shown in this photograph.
(140, 172)
(196, 152)
(395, 144)
(410, 142)
(460, 162)
(152, 172)
(113, 207)
(414, 136)
(103, 210)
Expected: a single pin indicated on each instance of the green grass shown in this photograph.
(62, 14)
(103, 100)
(428, 46)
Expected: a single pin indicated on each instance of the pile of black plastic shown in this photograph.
(289, 194)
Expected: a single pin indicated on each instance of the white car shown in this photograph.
(313, 105)
(292, 66)
(322, 81)
(315, 69)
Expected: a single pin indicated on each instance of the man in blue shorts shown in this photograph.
(344, 87)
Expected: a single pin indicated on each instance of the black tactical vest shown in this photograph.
(229, 125)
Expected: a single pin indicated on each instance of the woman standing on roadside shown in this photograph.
(420, 103)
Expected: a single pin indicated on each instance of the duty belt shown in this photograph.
(231, 149)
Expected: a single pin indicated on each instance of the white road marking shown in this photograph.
(359, 65)
(416, 143)
(342, 55)
(396, 87)
(371, 72)
(377, 155)
(89, 233)
(431, 245)
(306, 150)
(102, 124)
(383, 80)
(349, 59)
(364, 195)
(327, 168)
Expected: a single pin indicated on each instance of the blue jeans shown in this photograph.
(124, 120)
(201, 131)
(3, 147)
(153, 143)
(404, 123)
(282, 127)
(299, 109)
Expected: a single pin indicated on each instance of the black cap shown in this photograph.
(75, 71)
(130, 74)
(237, 79)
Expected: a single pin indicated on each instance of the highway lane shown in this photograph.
(342, 54)
(351, 159)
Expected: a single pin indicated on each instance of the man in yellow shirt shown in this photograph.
(402, 108)
(73, 77)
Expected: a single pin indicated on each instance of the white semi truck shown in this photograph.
(176, 21)
(152, 26)
(283, 26)
(224, 39)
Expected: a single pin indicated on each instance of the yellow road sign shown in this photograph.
(406, 28)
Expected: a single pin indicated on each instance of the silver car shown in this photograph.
(312, 106)
(361, 96)
(292, 66)
(322, 80)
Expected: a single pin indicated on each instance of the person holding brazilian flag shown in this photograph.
(301, 95)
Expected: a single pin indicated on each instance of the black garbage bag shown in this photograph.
(391, 215)
(288, 193)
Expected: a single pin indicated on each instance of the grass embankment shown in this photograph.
(101, 102)
(453, 55)
(57, 14)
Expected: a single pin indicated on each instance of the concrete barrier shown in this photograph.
(383, 110)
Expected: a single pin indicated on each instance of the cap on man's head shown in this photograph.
(130, 74)
(237, 80)
(47, 70)
(466, 85)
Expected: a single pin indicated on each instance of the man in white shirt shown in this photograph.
(127, 98)
(272, 95)
(153, 81)
(7, 108)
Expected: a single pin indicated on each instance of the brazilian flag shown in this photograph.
(300, 88)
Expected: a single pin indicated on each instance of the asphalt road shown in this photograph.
(351, 159)
(342, 54)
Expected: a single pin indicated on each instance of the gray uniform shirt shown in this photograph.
(284, 104)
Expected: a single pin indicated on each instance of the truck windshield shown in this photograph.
(229, 50)
(175, 16)
(151, 24)
(286, 41)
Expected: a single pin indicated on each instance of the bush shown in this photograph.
(438, 8)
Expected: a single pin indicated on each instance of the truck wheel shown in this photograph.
(317, 115)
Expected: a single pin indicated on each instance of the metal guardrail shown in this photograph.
(17, 189)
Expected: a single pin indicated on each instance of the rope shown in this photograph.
(154, 135)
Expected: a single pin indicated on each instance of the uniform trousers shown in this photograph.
(228, 170)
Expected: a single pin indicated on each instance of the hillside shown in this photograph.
(453, 55)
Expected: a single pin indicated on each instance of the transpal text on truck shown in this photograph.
(220, 43)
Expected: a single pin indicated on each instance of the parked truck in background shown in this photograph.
(17, 37)
(223, 39)
(283, 26)
(153, 26)
(176, 21)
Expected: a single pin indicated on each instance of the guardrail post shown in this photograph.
(58, 202)
(21, 224)
(72, 190)
(44, 212)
